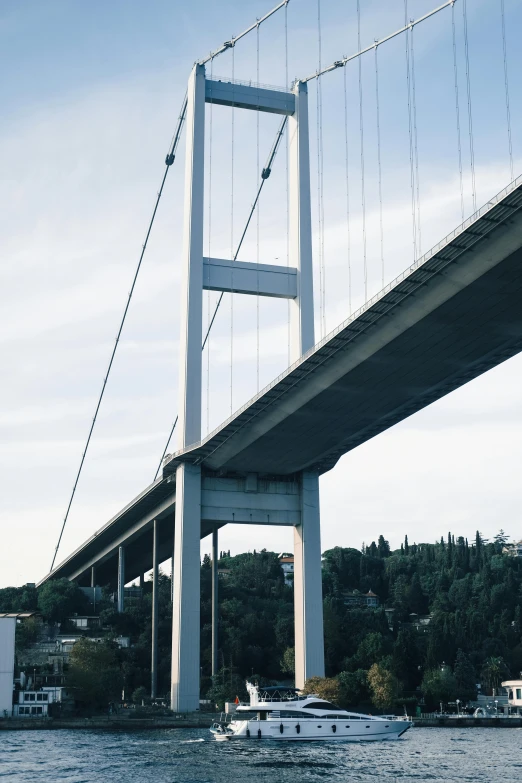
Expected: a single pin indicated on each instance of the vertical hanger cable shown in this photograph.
(346, 168)
(361, 126)
(457, 108)
(319, 174)
(415, 142)
(470, 115)
(410, 134)
(378, 119)
(257, 222)
(232, 242)
(506, 87)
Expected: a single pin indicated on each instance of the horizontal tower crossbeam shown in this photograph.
(243, 277)
(247, 96)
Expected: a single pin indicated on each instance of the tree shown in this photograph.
(94, 676)
(383, 686)
(288, 662)
(354, 688)
(501, 539)
(58, 599)
(383, 547)
(227, 685)
(465, 676)
(139, 695)
(439, 685)
(327, 688)
(494, 671)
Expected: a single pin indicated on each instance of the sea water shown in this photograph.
(192, 756)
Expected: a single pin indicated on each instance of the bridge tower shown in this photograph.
(252, 498)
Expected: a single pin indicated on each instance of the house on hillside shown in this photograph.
(513, 549)
(286, 562)
(357, 600)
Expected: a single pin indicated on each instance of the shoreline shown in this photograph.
(204, 721)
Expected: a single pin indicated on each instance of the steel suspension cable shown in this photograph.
(265, 173)
(457, 108)
(345, 60)
(319, 174)
(415, 143)
(410, 133)
(346, 167)
(378, 120)
(361, 127)
(470, 115)
(169, 160)
(287, 197)
(506, 87)
(257, 229)
(232, 241)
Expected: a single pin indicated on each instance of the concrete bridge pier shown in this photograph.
(308, 591)
(186, 608)
(155, 579)
(121, 578)
(215, 605)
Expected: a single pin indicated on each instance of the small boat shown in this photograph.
(282, 714)
(221, 733)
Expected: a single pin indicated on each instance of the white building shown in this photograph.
(287, 565)
(514, 549)
(7, 655)
(514, 691)
(36, 703)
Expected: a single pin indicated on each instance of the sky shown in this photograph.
(90, 97)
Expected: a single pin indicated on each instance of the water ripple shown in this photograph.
(189, 756)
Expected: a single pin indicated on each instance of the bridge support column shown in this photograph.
(121, 578)
(215, 611)
(186, 608)
(300, 224)
(308, 593)
(155, 577)
(93, 576)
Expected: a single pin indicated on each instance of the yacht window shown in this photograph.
(293, 714)
(321, 705)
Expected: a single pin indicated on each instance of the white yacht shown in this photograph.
(281, 714)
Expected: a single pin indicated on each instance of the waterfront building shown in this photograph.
(514, 693)
(7, 651)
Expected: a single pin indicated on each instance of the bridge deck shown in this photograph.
(451, 316)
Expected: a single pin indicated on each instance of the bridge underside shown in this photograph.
(452, 316)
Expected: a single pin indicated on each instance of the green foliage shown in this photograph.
(94, 675)
(494, 671)
(59, 599)
(384, 687)
(439, 685)
(227, 685)
(465, 677)
(328, 688)
(288, 662)
(26, 633)
(454, 604)
(18, 599)
(139, 694)
(353, 688)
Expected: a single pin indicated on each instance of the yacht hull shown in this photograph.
(325, 731)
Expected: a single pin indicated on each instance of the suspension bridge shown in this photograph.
(453, 314)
